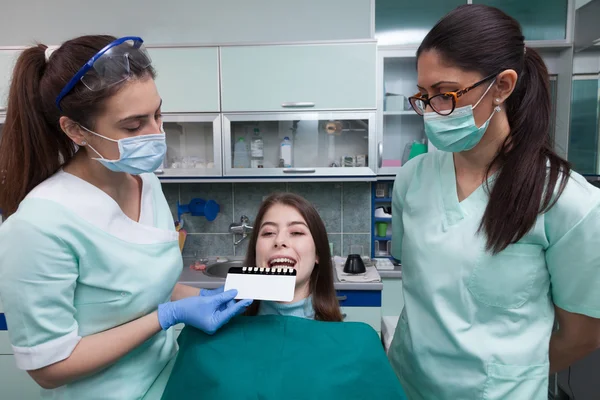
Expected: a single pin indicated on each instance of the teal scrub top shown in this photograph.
(476, 325)
(73, 264)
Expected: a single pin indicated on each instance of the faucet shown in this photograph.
(242, 228)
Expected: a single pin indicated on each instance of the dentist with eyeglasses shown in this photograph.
(497, 236)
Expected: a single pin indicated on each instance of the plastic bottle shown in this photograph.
(257, 150)
(241, 159)
(286, 152)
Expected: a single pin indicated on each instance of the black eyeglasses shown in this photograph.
(443, 103)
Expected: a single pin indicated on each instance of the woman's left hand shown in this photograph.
(207, 313)
(212, 292)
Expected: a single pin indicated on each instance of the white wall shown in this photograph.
(22, 22)
(587, 62)
(581, 3)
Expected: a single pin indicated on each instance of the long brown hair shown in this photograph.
(486, 40)
(321, 287)
(33, 146)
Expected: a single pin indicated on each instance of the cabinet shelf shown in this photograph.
(409, 112)
(386, 219)
(385, 238)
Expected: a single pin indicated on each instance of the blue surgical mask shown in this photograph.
(456, 132)
(137, 154)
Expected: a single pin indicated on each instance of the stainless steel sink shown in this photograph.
(219, 270)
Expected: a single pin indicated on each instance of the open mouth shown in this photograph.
(282, 262)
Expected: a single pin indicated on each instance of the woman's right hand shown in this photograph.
(207, 312)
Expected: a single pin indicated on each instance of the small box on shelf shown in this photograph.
(383, 248)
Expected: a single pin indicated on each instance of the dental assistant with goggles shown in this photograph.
(498, 238)
(89, 256)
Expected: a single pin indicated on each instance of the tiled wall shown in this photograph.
(344, 207)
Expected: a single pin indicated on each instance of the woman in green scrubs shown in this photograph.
(89, 255)
(498, 238)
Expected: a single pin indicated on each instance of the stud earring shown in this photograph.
(498, 101)
(83, 142)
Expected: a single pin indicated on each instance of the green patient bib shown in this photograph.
(275, 357)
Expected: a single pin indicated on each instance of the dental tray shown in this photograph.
(274, 284)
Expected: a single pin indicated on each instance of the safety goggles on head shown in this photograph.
(110, 66)
(443, 103)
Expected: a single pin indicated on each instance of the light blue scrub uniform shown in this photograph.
(73, 264)
(477, 326)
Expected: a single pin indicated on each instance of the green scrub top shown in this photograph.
(73, 264)
(476, 325)
(275, 357)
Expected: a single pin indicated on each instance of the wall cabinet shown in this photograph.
(293, 77)
(187, 78)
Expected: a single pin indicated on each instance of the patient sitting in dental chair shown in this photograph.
(295, 350)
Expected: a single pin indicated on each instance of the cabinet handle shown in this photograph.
(379, 154)
(298, 104)
(299, 171)
(344, 316)
(341, 298)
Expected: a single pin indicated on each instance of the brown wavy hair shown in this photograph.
(325, 303)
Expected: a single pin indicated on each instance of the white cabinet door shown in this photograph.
(292, 77)
(7, 63)
(401, 127)
(15, 383)
(392, 297)
(368, 315)
(187, 78)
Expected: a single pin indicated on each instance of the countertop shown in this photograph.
(395, 273)
(201, 280)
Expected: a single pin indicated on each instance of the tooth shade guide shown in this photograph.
(274, 284)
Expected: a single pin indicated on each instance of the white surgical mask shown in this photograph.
(137, 154)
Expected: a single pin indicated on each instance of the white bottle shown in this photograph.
(257, 150)
(286, 152)
(241, 159)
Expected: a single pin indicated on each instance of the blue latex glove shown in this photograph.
(212, 292)
(206, 312)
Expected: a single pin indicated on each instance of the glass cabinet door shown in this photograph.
(193, 146)
(585, 110)
(553, 99)
(1, 127)
(406, 22)
(539, 19)
(299, 144)
(401, 126)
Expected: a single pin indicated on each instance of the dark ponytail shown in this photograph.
(486, 40)
(33, 146)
